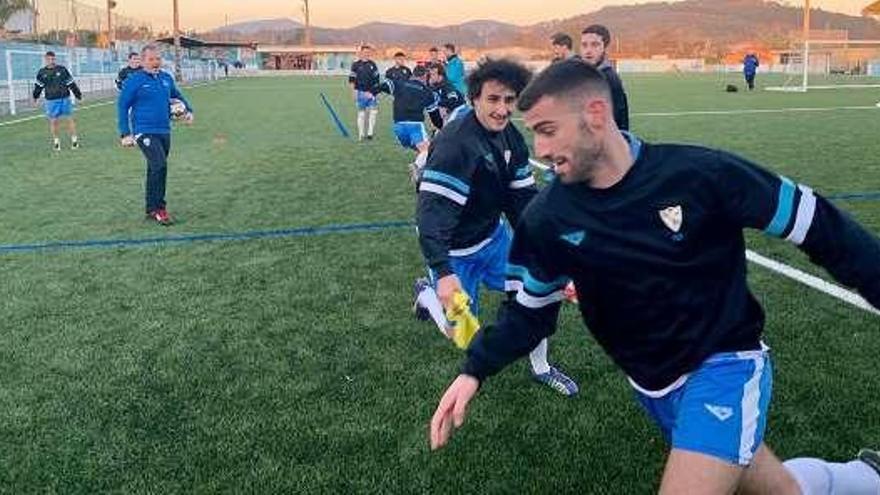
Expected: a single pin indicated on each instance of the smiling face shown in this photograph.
(570, 135)
(494, 105)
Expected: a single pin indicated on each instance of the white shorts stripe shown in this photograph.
(470, 250)
(751, 411)
(447, 193)
(806, 212)
(519, 184)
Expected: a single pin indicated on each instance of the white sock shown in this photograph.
(538, 358)
(372, 126)
(362, 117)
(818, 477)
(421, 159)
(428, 299)
(74, 138)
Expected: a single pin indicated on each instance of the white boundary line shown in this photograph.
(93, 105)
(814, 282)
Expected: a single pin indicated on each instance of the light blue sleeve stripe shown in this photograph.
(523, 172)
(783, 209)
(457, 184)
(532, 284)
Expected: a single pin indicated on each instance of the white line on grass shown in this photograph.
(811, 281)
(94, 105)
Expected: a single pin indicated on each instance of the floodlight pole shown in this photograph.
(806, 43)
(177, 72)
(308, 34)
(110, 36)
(35, 19)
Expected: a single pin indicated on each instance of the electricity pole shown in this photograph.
(308, 35)
(177, 71)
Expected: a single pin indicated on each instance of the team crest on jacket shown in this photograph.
(507, 155)
(672, 217)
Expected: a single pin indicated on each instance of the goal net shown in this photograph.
(828, 64)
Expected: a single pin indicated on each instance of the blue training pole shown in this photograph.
(339, 124)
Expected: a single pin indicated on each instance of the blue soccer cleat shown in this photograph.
(558, 381)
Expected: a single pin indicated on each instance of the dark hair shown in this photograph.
(419, 71)
(399, 54)
(563, 78)
(439, 68)
(50, 53)
(434, 49)
(450, 47)
(599, 30)
(132, 55)
(561, 39)
(365, 47)
(512, 74)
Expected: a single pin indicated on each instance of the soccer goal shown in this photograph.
(21, 68)
(829, 64)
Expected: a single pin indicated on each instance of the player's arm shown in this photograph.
(387, 86)
(120, 78)
(39, 85)
(535, 289)
(432, 107)
(521, 187)
(71, 85)
(621, 105)
(443, 194)
(757, 198)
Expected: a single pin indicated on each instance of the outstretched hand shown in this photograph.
(452, 409)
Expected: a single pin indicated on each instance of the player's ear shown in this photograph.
(596, 111)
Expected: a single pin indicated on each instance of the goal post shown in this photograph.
(829, 64)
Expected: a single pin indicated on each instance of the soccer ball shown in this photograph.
(177, 109)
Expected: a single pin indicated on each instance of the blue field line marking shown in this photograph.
(188, 239)
(856, 196)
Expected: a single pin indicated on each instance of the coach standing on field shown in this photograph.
(147, 94)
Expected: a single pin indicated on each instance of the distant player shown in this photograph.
(57, 83)
(399, 72)
(652, 234)
(134, 65)
(145, 101)
(363, 78)
(478, 170)
(595, 40)
(561, 44)
(750, 69)
(450, 97)
(454, 68)
(434, 57)
(412, 100)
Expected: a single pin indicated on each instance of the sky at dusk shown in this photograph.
(201, 14)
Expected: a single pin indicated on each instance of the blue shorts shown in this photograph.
(485, 262)
(721, 409)
(366, 100)
(409, 134)
(61, 107)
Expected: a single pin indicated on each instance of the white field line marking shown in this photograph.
(817, 283)
(93, 105)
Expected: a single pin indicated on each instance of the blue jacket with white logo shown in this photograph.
(148, 96)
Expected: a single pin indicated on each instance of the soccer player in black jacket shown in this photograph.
(363, 78)
(450, 98)
(595, 40)
(399, 71)
(134, 65)
(412, 100)
(478, 170)
(652, 235)
(56, 83)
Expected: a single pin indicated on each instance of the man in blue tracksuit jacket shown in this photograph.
(454, 69)
(750, 68)
(147, 94)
